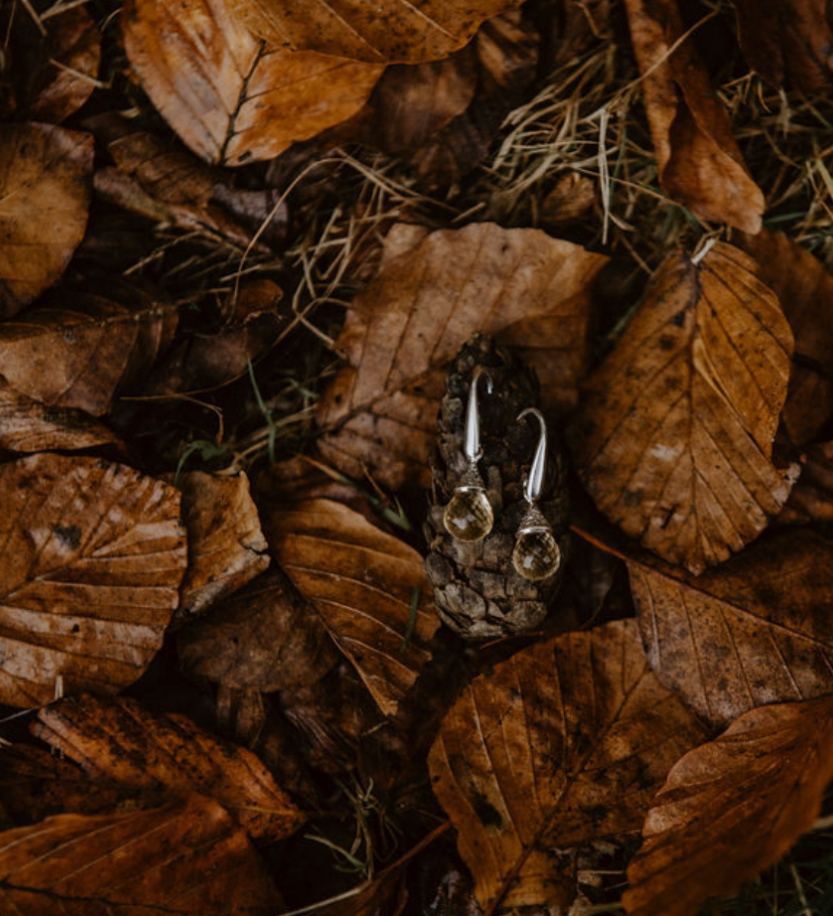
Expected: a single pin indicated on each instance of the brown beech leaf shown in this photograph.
(563, 743)
(264, 637)
(758, 630)
(28, 426)
(811, 499)
(186, 858)
(226, 547)
(674, 438)
(93, 557)
(230, 98)
(733, 807)
(699, 162)
(805, 290)
(117, 740)
(528, 290)
(791, 37)
(52, 64)
(389, 32)
(82, 350)
(44, 199)
(368, 586)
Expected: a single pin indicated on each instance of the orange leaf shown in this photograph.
(674, 436)
(231, 99)
(93, 557)
(733, 807)
(563, 743)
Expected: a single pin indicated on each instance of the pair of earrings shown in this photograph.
(469, 515)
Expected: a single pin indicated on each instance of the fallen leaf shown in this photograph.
(53, 72)
(189, 859)
(27, 426)
(391, 32)
(699, 162)
(94, 554)
(563, 743)
(230, 98)
(264, 637)
(811, 499)
(791, 37)
(758, 630)
(226, 547)
(674, 437)
(44, 199)
(368, 586)
(526, 289)
(805, 290)
(118, 741)
(83, 350)
(733, 807)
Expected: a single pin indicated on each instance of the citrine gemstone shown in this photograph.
(469, 515)
(536, 555)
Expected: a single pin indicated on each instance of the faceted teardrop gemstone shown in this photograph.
(469, 515)
(536, 555)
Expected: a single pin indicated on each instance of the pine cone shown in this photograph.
(479, 593)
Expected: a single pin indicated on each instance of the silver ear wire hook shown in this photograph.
(471, 441)
(534, 484)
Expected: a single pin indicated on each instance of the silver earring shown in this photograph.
(536, 555)
(469, 515)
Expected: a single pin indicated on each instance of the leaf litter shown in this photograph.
(221, 252)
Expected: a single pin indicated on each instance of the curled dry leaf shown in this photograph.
(52, 64)
(674, 438)
(811, 499)
(389, 32)
(44, 199)
(368, 586)
(758, 630)
(185, 858)
(733, 807)
(118, 741)
(28, 426)
(791, 37)
(226, 547)
(563, 743)
(699, 162)
(805, 290)
(93, 557)
(526, 289)
(230, 98)
(265, 637)
(83, 350)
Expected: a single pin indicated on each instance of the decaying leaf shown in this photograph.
(699, 162)
(391, 32)
(758, 630)
(185, 858)
(44, 198)
(52, 64)
(226, 547)
(563, 743)
(791, 37)
(674, 438)
(230, 98)
(528, 290)
(28, 426)
(368, 586)
(82, 350)
(732, 807)
(117, 740)
(264, 637)
(805, 290)
(93, 557)
(811, 499)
